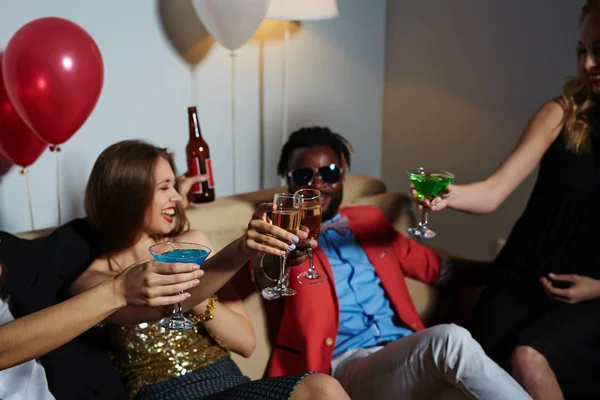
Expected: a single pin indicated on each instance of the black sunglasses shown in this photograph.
(329, 174)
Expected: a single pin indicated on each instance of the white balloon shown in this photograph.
(231, 22)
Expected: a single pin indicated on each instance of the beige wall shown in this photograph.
(462, 78)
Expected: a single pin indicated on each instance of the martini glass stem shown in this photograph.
(281, 280)
(177, 309)
(424, 216)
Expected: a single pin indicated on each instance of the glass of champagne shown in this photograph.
(428, 183)
(286, 215)
(178, 252)
(310, 209)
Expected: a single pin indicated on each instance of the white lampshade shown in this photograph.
(302, 10)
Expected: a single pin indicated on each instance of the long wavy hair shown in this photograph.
(577, 97)
(120, 191)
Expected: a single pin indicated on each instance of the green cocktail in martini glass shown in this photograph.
(428, 183)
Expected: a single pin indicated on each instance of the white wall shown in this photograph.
(461, 80)
(336, 79)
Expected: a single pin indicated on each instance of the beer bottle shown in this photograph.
(198, 161)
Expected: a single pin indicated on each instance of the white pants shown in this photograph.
(442, 362)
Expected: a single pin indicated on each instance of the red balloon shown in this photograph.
(17, 142)
(53, 73)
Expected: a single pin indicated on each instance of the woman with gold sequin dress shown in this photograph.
(133, 203)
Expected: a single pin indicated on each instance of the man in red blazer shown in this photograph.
(361, 325)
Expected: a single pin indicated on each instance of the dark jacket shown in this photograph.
(38, 275)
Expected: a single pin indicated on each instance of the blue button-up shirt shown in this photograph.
(366, 316)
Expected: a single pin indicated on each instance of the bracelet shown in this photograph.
(262, 268)
(207, 315)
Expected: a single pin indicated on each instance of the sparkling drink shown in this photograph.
(311, 218)
(310, 203)
(286, 215)
(287, 219)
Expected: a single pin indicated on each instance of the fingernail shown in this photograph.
(292, 247)
(196, 266)
(188, 295)
(195, 282)
(551, 274)
(295, 239)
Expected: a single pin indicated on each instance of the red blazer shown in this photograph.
(303, 328)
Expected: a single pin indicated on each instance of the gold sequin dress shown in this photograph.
(163, 364)
(146, 354)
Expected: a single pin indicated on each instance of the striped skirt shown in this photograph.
(221, 380)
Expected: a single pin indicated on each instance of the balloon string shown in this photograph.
(284, 125)
(24, 172)
(58, 183)
(233, 55)
(193, 74)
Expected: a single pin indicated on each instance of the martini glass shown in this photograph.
(428, 183)
(178, 252)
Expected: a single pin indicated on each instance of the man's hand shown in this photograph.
(154, 284)
(300, 255)
(581, 288)
(185, 184)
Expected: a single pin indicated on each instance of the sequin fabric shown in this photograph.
(146, 354)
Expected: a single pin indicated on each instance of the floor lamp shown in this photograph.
(296, 10)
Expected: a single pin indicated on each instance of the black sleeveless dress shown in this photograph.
(558, 232)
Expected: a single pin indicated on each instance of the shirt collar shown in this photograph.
(335, 217)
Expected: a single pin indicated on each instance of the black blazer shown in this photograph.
(38, 275)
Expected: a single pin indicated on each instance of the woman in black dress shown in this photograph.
(541, 320)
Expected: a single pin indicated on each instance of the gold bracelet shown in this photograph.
(262, 268)
(207, 315)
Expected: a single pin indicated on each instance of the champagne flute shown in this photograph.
(286, 216)
(310, 208)
(428, 183)
(178, 252)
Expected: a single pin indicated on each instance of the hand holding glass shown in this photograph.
(286, 215)
(428, 183)
(178, 252)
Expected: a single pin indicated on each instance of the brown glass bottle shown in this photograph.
(198, 160)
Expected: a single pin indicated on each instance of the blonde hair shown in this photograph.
(577, 100)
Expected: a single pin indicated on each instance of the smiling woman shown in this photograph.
(133, 203)
(132, 188)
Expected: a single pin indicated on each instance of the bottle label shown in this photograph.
(209, 171)
(193, 170)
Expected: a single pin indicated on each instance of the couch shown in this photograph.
(226, 218)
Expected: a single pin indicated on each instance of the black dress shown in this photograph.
(558, 232)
